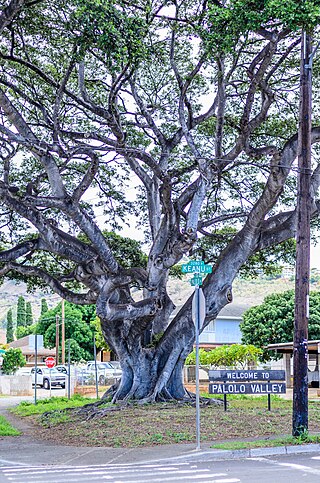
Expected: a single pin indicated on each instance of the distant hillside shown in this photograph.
(253, 292)
(9, 293)
(245, 293)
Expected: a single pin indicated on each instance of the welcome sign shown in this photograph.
(246, 382)
(252, 388)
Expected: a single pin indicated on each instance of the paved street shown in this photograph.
(184, 472)
(280, 469)
(21, 460)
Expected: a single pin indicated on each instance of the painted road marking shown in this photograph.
(114, 474)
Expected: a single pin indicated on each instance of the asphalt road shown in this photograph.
(21, 459)
(284, 469)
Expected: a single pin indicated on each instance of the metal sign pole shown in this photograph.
(69, 375)
(199, 269)
(197, 367)
(35, 367)
(95, 365)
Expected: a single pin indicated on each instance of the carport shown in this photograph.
(286, 349)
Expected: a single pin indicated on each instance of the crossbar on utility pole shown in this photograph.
(300, 342)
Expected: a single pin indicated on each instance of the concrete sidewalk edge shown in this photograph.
(219, 454)
(79, 456)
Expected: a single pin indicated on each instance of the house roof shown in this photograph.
(287, 347)
(27, 349)
(230, 311)
(233, 310)
(22, 342)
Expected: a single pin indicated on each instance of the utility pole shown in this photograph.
(57, 338)
(63, 358)
(301, 316)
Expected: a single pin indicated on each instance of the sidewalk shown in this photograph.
(312, 393)
(23, 450)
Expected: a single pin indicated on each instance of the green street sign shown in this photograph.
(196, 266)
(196, 263)
(187, 269)
(206, 269)
(196, 281)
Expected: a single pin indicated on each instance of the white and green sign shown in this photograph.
(198, 268)
(196, 280)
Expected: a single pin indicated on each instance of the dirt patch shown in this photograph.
(170, 423)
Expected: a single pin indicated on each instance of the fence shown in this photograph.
(105, 377)
(15, 386)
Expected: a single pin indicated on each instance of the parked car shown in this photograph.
(115, 365)
(45, 375)
(81, 374)
(64, 369)
(105, 371)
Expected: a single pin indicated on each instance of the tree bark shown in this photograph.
(153, 372)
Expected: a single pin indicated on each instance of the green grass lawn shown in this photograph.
(6, 429)
(267, 443)
(247, 423)
(27, 408)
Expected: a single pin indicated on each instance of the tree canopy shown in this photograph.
(9, 327)
(12, 360)
(29, 316)
(272, 322)
(229, 356)
(182, 115)
(44, 306)
(79, 326)
(21, 311)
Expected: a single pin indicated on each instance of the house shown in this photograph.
(225, 329)
(28, 349)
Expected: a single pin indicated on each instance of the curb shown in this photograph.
(220, 454)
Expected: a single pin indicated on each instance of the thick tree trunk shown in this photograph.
(153, 372)
(153, 369)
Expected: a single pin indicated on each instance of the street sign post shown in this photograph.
(199, 269)
(198, 306)
(50, 362)
(35, 367)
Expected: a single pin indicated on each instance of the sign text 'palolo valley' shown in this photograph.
(248, 388)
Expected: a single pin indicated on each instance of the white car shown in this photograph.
(81, 374)
(46, 376)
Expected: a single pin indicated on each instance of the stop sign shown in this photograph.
(50, 362)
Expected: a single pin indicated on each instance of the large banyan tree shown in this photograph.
(180, 115)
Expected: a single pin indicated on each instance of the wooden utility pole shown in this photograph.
(57, 338)
(63, 358)
(301, 317)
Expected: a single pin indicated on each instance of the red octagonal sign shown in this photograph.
(50, 362)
